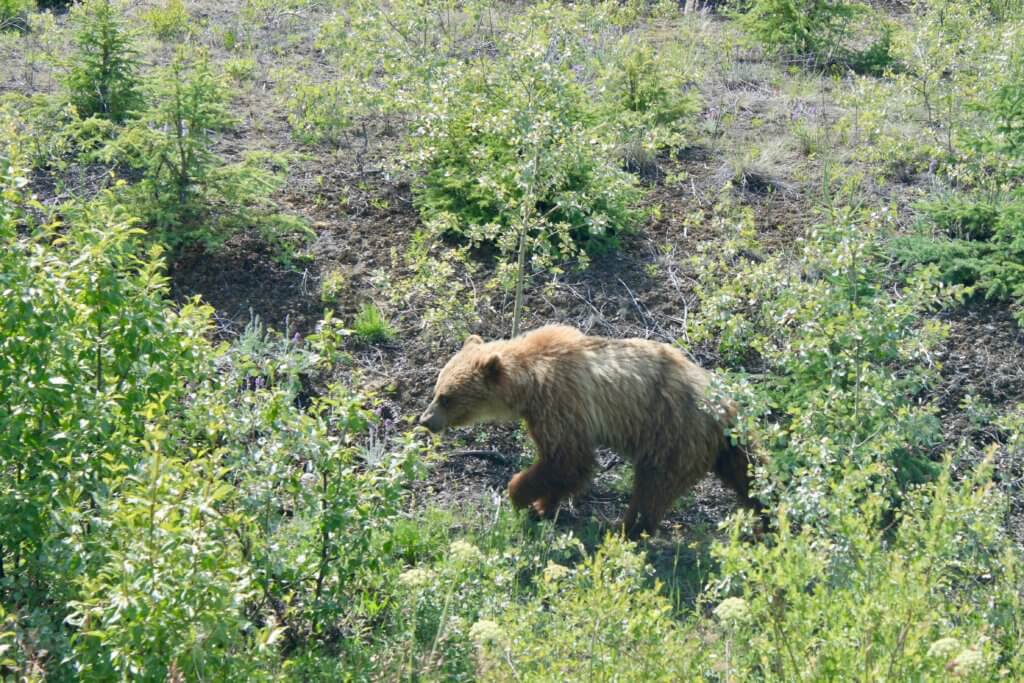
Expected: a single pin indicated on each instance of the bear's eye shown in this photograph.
(443, 401)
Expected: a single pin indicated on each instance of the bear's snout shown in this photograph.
(432, 420)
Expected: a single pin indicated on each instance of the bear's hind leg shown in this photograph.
(733, 468)
(652, 495)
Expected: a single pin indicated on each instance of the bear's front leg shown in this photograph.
(533, 487)
(543, 485)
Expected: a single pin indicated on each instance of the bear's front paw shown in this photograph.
(515, 491)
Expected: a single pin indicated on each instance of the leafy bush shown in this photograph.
(170, 22)
(980, 245)
(936, 592)
(332, 285)
(826, 357)
(321, 112)
(439, 287)
(799, 27)
(486, 161)
(370, 325)
(512, 141)
(188, 193)
(603, 619)
(516, 124)
(165, 499)
(169, 597)
(88, 349)
(102, 77)
(975, 237)
(13, 13)
(645, 97)
(936, 595)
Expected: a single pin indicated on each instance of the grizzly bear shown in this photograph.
(642, 399)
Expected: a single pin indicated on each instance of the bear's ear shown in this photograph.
(492, 369)
(471, 340)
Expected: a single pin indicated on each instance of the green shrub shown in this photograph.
(510, 138)
(604, 619)
(370, 326)
(645, 97)
(975, 237)
(800, 27)
(167, 508)
(86, 352)
(169, 22)
(825, 356)
(935, 594)
(878, 58)
(332, 285)
(1005, 108)
(513, 140)
(188, 193)
(439, 286)
(980, 244)
(167, 599)
(323, 113)
(13, 13)
(102, 78)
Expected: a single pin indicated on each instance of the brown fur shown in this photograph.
(644, 400)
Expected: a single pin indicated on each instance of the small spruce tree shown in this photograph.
(103, 77)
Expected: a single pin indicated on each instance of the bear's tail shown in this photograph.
(733, 467)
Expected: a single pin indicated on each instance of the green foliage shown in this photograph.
(477, 178)
(512, 140)
(835, 364)
(166, 600)
(166, 499)
(646, 98)
(188, 193)
(332, 285)
(979, 245)
(1005, 108)
(800, 27)
(457, 573)
(1004, 10)
(937, 595)
(527, 135)
(102, 77)
(370, 325)
(173, 145)
(14, 12)
(88, 346)
(975, 237)
(439, 286)
(322, 113)
(169, 22)
(603, 619)
(878, 58)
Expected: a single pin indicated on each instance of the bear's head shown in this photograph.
(467, 390)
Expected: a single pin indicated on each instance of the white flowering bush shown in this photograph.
(606, 619)
(826, 362)
(815, 603)
(513, 140)
(514, 120)
(733, 611)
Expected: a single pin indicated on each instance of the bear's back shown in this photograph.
(625, 393)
